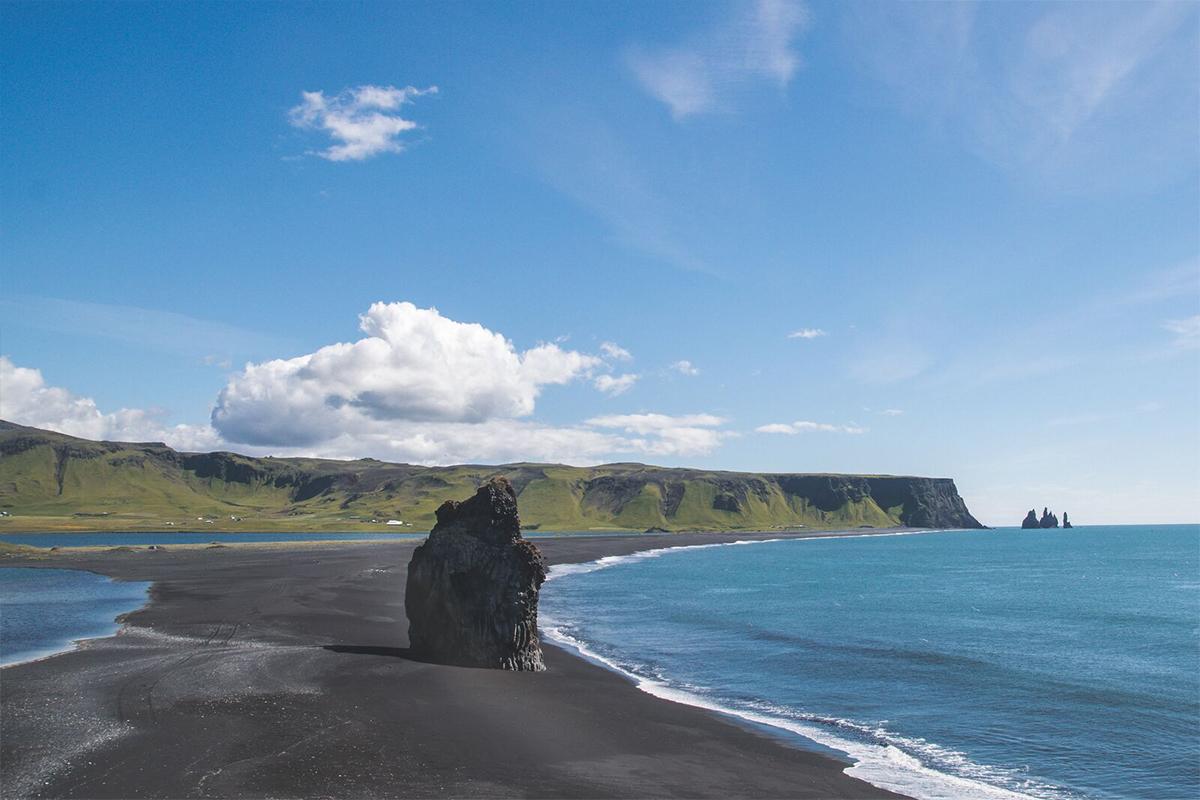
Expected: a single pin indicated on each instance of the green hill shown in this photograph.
(50, 481)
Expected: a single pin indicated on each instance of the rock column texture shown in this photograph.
(472, 590)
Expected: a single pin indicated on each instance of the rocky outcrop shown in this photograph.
(1048, 519)
(473, 586)
(924, 502)
(1067, 521)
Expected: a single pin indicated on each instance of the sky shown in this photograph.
(936, 239)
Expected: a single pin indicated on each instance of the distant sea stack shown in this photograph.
(1048, 519)
(1067, 521)
(473, 586)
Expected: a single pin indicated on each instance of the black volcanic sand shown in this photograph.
(284, 673)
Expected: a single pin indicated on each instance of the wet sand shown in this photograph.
(283, 672)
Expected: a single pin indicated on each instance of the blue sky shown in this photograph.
(225, 225)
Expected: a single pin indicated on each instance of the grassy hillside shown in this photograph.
(49, 481)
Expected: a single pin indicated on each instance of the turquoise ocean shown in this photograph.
(1005, 663)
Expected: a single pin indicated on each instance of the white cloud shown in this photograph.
(413, 365)
(1187, 331)
(362, 122)
(804, 426)
(696, 77)
(807, 333)
(26, 399)
(615, 351)
(418, 387)
(661, 434)
(615, 385)
(685, 367)
(892, 412)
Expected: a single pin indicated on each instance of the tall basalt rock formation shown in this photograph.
(1049, 519)
(1031, 520)
(473, 586)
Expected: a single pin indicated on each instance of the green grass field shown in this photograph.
(49, 481)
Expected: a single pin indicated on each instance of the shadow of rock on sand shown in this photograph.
(371, 650)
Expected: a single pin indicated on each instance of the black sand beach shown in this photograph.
(283, 672)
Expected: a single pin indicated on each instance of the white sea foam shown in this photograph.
(563, 570)
(881, 757)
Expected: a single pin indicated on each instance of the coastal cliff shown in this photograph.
(53, 481)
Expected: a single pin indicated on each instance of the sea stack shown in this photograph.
(1031, 520)
(472, 590)
(1049, 520)
(1067, 521)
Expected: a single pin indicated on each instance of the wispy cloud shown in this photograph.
(614, 385)
(1080, 95)
(805, 426)
(1187, 331)
(685, 367)
(807, 333)
(699, 75)
(587, 160)
(615, 351)
(666, 434)
(363, 121)
(892, 412)
(147, 329)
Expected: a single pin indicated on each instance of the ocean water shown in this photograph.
(44, 611)
(1046, 664)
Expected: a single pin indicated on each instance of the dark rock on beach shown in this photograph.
(472, 590)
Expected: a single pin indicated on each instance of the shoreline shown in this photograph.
(543, 714)
(864, 764)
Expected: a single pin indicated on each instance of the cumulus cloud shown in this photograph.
(362, 122)
(615, 351)
(697, 76)
(685, 367)
(614, 385)
(417, 387)
(807, 333)
(662, 434)
(804, 426)
(413, 365)
(26, 399)
(1187, 331)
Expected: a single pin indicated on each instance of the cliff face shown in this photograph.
(49, 474)
(472, 591)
